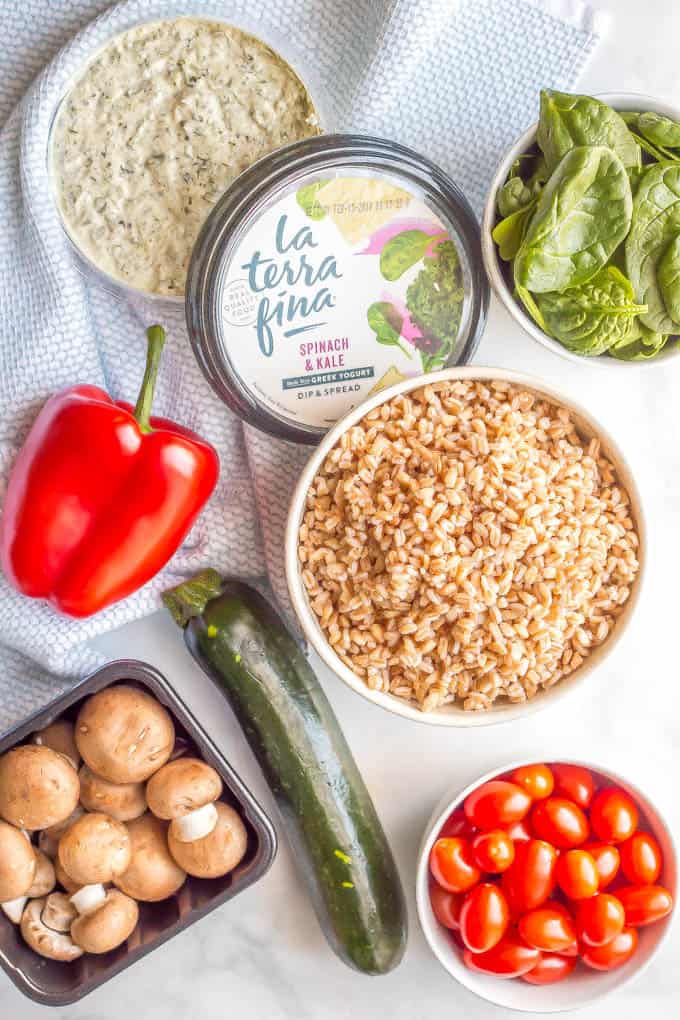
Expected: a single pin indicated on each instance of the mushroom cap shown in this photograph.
(64, 880)
(18, 863)
(106, 928)
(152, 875)
(45, 879)
(217, 853)
(58, 912)
(55, 945)
(182, 786)
(38, 787)
(122, 801)
(95, 849)
(60, 737)
(124, 734)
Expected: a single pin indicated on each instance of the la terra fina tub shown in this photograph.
(331, 269)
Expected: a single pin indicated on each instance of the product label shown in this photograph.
(340, 288)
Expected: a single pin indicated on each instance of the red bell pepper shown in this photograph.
(101, 496)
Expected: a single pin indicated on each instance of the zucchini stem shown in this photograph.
(189, 599)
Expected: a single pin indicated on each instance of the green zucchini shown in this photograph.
(326, 810)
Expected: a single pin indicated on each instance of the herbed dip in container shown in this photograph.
(161, 121)
(330, 270)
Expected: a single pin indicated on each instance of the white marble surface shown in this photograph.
(263, 956)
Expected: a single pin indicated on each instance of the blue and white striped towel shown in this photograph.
(455, 80)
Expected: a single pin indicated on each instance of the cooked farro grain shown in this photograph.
(464, 543)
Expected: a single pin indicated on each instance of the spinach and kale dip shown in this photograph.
(159, 124)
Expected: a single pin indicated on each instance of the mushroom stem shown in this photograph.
(14, 908)
(89, 898)
(196, 824)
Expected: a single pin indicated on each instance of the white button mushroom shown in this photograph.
(46, 941)
(43, 883)
(96, 848)
(45, 879)
(183, 792)
(152, 875)
(109, 926)
(217, 853)
(59, 736)
(59, 913)
(18, 863)
(124, 734)
(38, 787)
(122, 801)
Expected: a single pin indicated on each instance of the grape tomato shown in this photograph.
(645, 904)
(483, 918)
(510, 958)
(613, 815)
(550, 969)
(493, 851)
(548, 929)
(606, 859)
(496, 804)
(446, 906)
(612, 954)
(641, 858)
(536, 780)
(452, 864)
(559, 821)
(575, 783)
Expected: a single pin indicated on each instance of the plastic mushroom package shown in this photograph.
(95, 817)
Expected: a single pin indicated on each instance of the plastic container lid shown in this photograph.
(331, 269)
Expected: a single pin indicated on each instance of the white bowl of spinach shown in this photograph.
(581, 229)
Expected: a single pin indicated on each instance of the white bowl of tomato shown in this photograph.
(544, 886)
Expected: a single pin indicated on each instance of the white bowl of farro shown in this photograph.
(458, 544)
(439, 910)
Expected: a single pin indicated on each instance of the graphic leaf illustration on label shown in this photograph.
(404, 250)
(308, 200)
(386, 322)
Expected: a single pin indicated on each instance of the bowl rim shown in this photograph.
(618, 101)
(452, 715)
(448, 803)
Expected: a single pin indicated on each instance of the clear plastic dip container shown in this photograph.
(331, 269)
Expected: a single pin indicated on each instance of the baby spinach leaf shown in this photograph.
(582, 215)
(386, 322)
(513, 196)
(641, 344)
(593, 317)
(517, 193)
(653, 151)
(659, 130)
(567, 121)
(534, 311)
(668, 276)
(404, 250)
(307, 199)
(656, 224)
(509, 232)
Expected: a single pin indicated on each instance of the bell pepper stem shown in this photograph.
(190, 598)
(155, 343)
